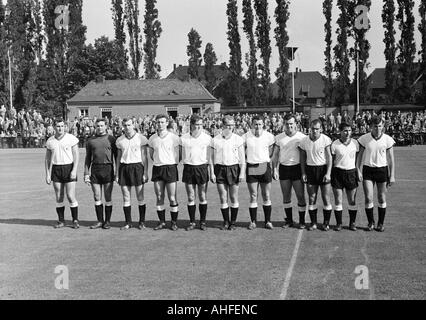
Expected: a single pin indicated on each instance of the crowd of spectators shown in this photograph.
(30, 129)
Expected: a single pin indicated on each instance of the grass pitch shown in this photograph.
(243, 264)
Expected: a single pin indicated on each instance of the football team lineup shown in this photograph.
(227, 160)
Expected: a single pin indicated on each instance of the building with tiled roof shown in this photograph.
(308, 88)
(108, 98)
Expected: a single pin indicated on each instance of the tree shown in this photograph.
(210, 60)
(282, 15)
(407, 50)
(103, 59)
(388, 18)
(4, 71)
(152, 32)
(135, 38)
(341, 55)
(362, 46)
(194, 54)
(264, 44)
(64, 49)
(422, 52)
(234, 81)
(252, 82)
(120, 34)
(25, 44)
(327, 8)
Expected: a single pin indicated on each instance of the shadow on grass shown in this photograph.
(182, 224)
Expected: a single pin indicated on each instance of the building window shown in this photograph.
(106, 113)
(84, 112)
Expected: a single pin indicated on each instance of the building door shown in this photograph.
(173, 114)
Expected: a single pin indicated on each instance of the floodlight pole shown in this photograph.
(292, 78)
(357, 81)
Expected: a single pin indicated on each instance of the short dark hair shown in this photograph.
(344, 125)
(376, 120)
(289, 116)
(100, 120)
(194, 119)
(128, 119)
(161, 116)
(58, 120)
(257, 118)
(315, 122)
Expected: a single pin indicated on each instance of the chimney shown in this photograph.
(174, 67)
(100, 79)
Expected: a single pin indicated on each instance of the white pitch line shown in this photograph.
(283, 294)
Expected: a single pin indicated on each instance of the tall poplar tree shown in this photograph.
(152, 32)
(252, 81)
(131, 10)
(362, 45)
(120, 36)
(341, 55)
(194, 54)
(388, 18)
(407, 50)
(264, 44)
(210, 60)
(282, 15)
(422, 52)
(327, 8)
(234, 81)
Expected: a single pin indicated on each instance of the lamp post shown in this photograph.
(290, 53)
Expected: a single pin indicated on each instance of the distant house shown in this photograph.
(308, 89)
(180, 72)
(377, 84)
(108, 98)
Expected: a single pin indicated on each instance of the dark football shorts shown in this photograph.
(261, 173)
(227, 175)
(167, 173)
(344, 179)
(315, 175)
(102, 173)
(131, 175)
(292, 173)
(378, 175)
(62, 173)
(195, 174)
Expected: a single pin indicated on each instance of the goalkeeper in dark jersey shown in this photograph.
(101, 153)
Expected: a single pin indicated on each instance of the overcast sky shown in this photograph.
(208, 17)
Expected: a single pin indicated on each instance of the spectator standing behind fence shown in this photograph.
(61, 163)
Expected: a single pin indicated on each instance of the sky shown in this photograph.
(208, 17)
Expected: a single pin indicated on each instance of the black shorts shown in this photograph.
(168, 173)
(315, 175)
(131, 175)
(344, 179)
(102, 173)
(292, 173)
(261, 173)
(227, 175)
(195, 174)
(62, 173)
(378, 175)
